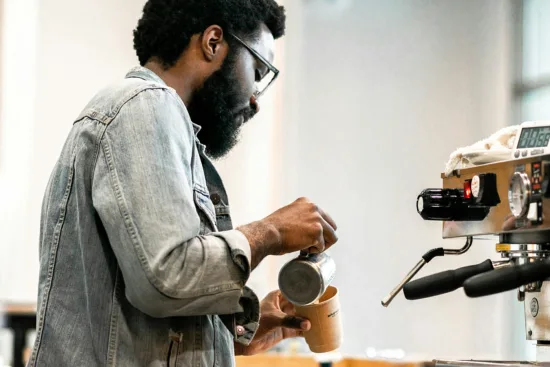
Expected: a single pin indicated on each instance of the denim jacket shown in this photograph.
(139, 264)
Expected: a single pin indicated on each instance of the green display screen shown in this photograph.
(534, 137)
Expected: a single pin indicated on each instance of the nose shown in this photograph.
(254, 104)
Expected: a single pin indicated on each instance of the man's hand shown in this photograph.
(301, 225)
(277, 322)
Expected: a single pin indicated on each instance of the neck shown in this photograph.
(176, 77)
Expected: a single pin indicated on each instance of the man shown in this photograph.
(139, 262)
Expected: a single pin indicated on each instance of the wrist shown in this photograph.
(272, 237)
(264, 240)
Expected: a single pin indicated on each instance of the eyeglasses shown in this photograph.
(269, 77)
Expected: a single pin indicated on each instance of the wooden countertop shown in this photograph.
(291, 361)
(18, 308)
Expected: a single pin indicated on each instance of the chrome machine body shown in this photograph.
(511, 201)
(523, 186)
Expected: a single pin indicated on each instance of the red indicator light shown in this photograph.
(467, 190)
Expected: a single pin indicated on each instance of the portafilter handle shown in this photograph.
(506, 279)
(443, 282)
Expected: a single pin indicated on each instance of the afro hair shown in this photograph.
(166, 27)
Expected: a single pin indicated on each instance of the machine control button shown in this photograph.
(475, 186)
(537, 151)
(524, 153)
(534, 307)
(533, 213)
(516, 154)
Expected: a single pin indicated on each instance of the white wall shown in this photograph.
(382, 92)
(18, 27)
(17, 75)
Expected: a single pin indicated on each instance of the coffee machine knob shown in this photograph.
(519, 194)
(450, 205)
(484, 189)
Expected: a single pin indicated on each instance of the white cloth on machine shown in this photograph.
(495, 148)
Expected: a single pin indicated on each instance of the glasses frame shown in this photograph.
(256, 54)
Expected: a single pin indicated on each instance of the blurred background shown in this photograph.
(372, 98)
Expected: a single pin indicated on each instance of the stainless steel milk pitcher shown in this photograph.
(304, 279)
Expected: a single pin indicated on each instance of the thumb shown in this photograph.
(294, 322)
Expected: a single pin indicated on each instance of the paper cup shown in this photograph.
(326, 332)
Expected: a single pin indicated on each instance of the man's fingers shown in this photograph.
(272, 298)
(287, 307)
(295, 322)
(329, 219)
(329, 235)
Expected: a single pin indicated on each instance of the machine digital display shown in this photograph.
(534, 137)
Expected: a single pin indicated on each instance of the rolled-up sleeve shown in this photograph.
(143, 191)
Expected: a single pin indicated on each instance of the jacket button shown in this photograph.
(216, 199)
(240, 330)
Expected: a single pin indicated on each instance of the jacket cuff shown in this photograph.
(243, 325)
(241, 253)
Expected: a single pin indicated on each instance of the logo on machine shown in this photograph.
(534, 305)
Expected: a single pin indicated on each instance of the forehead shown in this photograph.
(264, 43)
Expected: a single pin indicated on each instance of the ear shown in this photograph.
(213, 44)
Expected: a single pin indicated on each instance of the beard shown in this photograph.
(213, 108)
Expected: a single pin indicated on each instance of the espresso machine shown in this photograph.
(508, 199)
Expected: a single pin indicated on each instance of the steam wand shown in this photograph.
(428, 256)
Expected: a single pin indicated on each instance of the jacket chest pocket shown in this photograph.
(206, 210)
(201, 196)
